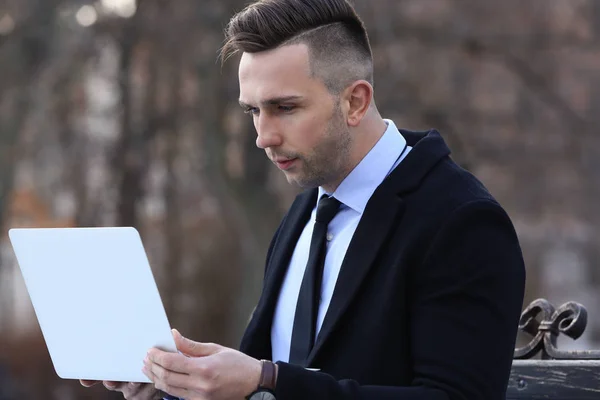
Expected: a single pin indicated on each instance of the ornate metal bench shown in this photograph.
(557, 374)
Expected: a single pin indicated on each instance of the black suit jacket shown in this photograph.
(427, 302)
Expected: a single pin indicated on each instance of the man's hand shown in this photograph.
(131, 391)
(205, 371)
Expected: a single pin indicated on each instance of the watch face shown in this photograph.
(262, 396)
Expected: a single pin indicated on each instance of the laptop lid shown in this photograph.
(95, 299)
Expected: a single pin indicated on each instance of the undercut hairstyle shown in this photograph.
(337, 41)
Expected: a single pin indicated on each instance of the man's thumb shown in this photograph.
(192, 348)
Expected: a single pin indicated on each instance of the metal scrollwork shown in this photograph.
(569, 319)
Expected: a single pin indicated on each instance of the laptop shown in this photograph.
(95, 299)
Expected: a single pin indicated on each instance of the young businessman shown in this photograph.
(395, 275)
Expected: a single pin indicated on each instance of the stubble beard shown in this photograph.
(327, 164)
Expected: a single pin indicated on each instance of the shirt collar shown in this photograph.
(360, 184)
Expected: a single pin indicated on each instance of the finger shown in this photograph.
(149, 374)
(88, 383)
(112, 385)
(192, 348)
(171, 361)
(175, 391)
(164, 387)
(149, 391)
(133, 389)
(169, 377)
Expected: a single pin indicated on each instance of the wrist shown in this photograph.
(268, 375)
(265, 385)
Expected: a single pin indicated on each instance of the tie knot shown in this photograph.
(327, 208)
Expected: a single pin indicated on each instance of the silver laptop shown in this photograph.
(95, 299)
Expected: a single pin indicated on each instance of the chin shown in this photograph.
(304, 184)
(302, 180)
(297, 181)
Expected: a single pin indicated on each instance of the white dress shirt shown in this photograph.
(354, 192)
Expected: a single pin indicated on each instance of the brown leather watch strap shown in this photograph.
(268, 378)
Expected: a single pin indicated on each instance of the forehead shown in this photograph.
(282, 71)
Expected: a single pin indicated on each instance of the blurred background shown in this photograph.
(117, 112)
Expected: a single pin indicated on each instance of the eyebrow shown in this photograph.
(272, 101)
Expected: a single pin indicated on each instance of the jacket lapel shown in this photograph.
(257, 339)
(373, 230)
(383, 211)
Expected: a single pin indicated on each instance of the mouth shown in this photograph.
(284, 164)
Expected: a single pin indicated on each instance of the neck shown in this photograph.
(365, 136)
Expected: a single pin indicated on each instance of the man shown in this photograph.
(395, 275)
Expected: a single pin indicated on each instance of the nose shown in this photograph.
(267, 129)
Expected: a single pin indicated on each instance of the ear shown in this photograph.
(358, 97)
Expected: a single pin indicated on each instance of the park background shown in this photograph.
(117, 112)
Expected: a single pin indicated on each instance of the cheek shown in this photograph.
(308, 132)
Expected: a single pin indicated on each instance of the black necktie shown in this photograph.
(307, 308)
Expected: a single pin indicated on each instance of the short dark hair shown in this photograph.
(336, 37)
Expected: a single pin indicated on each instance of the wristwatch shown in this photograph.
(266, 384)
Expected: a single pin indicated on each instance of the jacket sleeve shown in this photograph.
(464, 301)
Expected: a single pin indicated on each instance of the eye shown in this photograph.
(251, 110)
(286, 108)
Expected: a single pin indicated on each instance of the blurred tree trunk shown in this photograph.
(132, 147)
(173, 226)
(9, 133)
(21, 59)
(127, 162)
